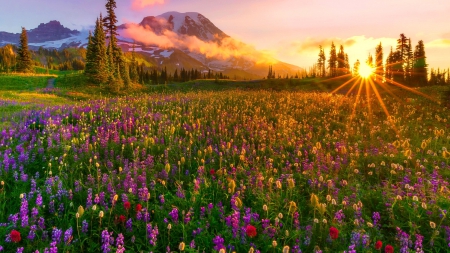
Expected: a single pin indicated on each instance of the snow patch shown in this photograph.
(178, 18)
(166, 53)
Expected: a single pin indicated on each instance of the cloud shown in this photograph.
(438, 43)
(312, 44)
(141, 4)
(224, 49)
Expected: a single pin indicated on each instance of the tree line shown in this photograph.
(404, 64)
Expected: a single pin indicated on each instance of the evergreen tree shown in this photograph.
(332, 61)
(341, 63)
(24, 62)
(420, 65)
(400, 62)
(321, 62)
(347, 64)
(101, 59)
(133, 67)
(356, 68)
(379, 62)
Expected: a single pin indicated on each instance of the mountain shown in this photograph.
(46, 34)
(174, 40)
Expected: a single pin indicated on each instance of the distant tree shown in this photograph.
(133, 67)
(341, 63)
(379, 62)
(369, 60)
(269, 74)
(400, 63)
(347, 64)
(321, 62)
(389, 65)
(420, 72)
(91, 55)
(24, 62)
(408, 66)
(332, 61)
(356, 68)
(7, 58)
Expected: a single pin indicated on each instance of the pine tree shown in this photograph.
(110, 25)
(356, 68)
(332, 61)
(420, 65)
(341, 64)
(24, 62)
(101, 61)
(379, 62)
(347, 64)
(90, 67)
(133, 67)
(321, 62)
(400, 63)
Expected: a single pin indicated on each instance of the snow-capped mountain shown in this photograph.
(190, 41)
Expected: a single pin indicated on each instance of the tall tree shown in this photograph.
(321, 62)
(133, 66)
(332, 61)
(420, 65)
(389, 65)
(24, 62)
(109, 23)
(341, 64)
(401, 59)
(347, 64)
(379, 62)
(101, 60)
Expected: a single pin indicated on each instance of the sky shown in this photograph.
(289, 30)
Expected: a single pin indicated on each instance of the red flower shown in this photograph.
(138, 207)
(122, 218)
(250, 230)
(378, 245)
(15, 236)
(334, 233)
(212, 172)
(127, 205)
(389, 249)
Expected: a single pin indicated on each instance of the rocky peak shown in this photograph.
(50, 31)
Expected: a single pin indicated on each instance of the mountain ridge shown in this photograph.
(193, 38)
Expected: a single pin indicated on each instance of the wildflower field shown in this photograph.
(224, 171)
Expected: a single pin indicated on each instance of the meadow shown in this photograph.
(268, 166)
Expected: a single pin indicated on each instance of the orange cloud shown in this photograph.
(225, 49)
(140, 4)
(313, 44)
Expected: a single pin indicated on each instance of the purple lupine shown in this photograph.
(218, 243)
(56, 235)
(351, 249)
(53, 248)
(68, 235)
(376, 219)
(418, 243)
(120, 240)
(152, 234)
(192, 244)
(106, 241)
(84, 227)
(174, 215)
(24, 212)
(403, 237)
(339, 216)
(129, 225)
(39, 200)
(20, 250)
(32, 234)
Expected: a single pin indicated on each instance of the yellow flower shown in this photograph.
(314, 200)
(181, 246)
(80, 211)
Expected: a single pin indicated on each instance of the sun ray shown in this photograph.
(345, 84)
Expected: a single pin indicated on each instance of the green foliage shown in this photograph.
(24, 61)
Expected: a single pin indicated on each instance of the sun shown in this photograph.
(365, 71)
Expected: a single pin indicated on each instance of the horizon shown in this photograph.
(276, 29)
